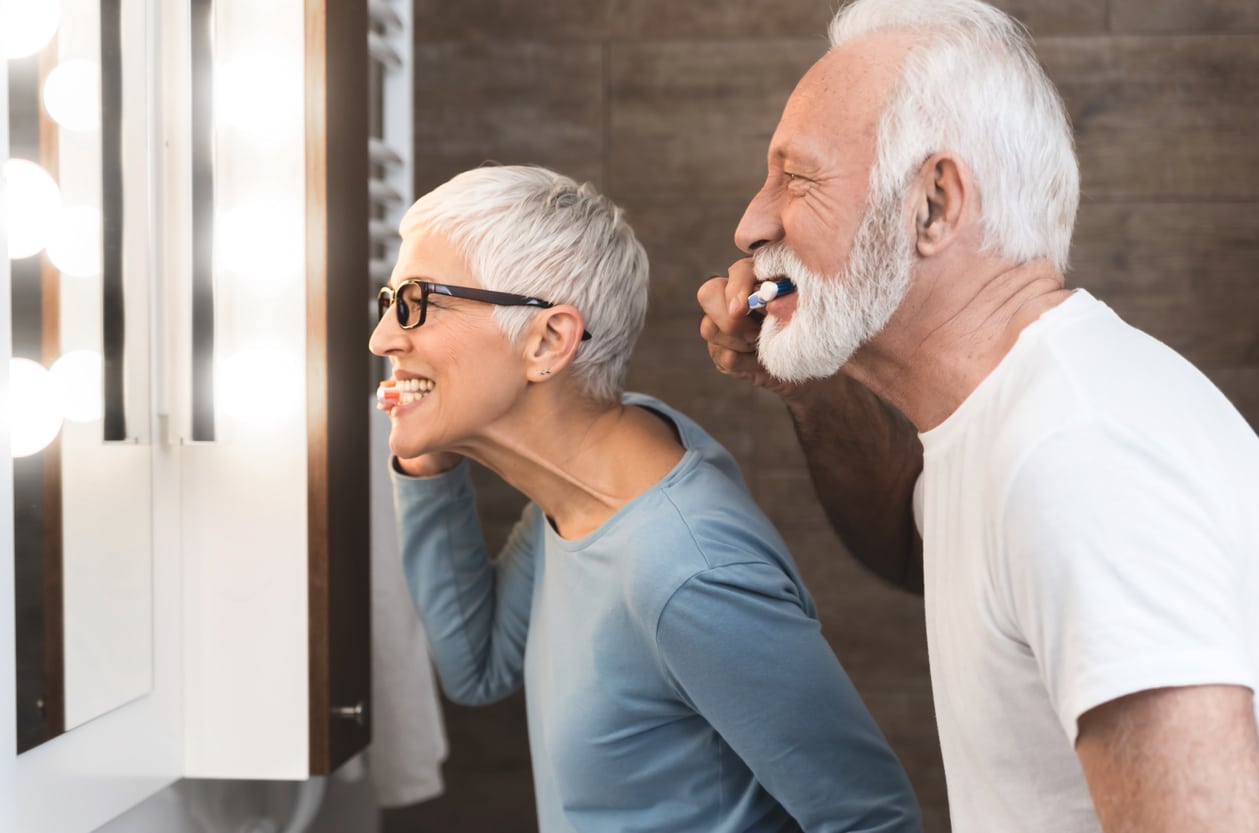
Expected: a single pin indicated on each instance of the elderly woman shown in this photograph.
(676, 674)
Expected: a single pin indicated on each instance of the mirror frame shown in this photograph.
(92, 773)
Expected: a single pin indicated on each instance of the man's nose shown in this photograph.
(760, 223)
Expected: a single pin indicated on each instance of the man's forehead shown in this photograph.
(844, 92)
(820, 111)
(862, 71)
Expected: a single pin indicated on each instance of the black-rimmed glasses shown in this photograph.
(410, 300)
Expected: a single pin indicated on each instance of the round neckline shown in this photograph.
(939, 438)
(688, 461)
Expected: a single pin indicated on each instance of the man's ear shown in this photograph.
(942, 190)
(554, 336)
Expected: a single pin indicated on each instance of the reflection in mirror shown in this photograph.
(79, 405)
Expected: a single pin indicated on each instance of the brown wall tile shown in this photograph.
(669, 19)
(1169, 248)
(1209, 331)
(510, 103)
(1055, 18)
(1161, 118)
(1184, 273)
(1230, 16)
(691, 116)
(689, 238)
(479, 20)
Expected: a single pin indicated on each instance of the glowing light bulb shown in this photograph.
(72, 95)
(34, 414)
(75, 247)
(260, 385)
(259, 95)
(33, 203)
(76, 377)
(28, 25)
(262, 240)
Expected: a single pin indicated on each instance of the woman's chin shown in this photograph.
(404, 448)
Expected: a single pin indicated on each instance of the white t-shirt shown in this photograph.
(1090, 518)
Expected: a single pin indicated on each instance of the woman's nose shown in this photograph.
(387, 338)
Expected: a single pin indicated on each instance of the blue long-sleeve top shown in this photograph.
(675, 672)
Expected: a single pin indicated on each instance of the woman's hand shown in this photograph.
(428, 465)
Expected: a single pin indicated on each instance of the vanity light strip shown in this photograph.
(202, 427)
(113, 304)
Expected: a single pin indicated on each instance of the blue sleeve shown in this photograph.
(742, 651)
(476, 611)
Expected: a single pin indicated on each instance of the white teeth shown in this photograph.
(413, 390)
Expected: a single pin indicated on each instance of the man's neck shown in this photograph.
(951, 332)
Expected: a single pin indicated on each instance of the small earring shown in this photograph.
(544, 373)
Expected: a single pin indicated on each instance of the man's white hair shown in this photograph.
(973, 86)
(531, 231)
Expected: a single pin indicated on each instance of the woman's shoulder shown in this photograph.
(702, 535)
(693, 437)
(701, 520)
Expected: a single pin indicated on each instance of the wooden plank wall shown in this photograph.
(668, 105)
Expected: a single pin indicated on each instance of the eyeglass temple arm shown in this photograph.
(493, 297)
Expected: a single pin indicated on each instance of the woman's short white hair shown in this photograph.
(973, 86)
(529, 230)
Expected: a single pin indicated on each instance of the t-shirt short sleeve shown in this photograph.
(1118, 578)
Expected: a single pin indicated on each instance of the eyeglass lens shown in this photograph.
(403, 299)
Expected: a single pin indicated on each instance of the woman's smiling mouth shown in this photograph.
(393, 392)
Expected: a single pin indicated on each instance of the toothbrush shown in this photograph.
(387, 394)
(768, 291)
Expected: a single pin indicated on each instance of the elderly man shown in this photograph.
(1088, 502)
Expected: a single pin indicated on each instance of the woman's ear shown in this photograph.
(554, 336)
(941, 192)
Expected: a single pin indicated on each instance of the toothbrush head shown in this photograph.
(768, 291)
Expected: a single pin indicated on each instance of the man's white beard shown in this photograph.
(836, 315)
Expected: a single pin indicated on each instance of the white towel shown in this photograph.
(408, 736)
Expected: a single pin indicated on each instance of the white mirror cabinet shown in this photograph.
(256, 193)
